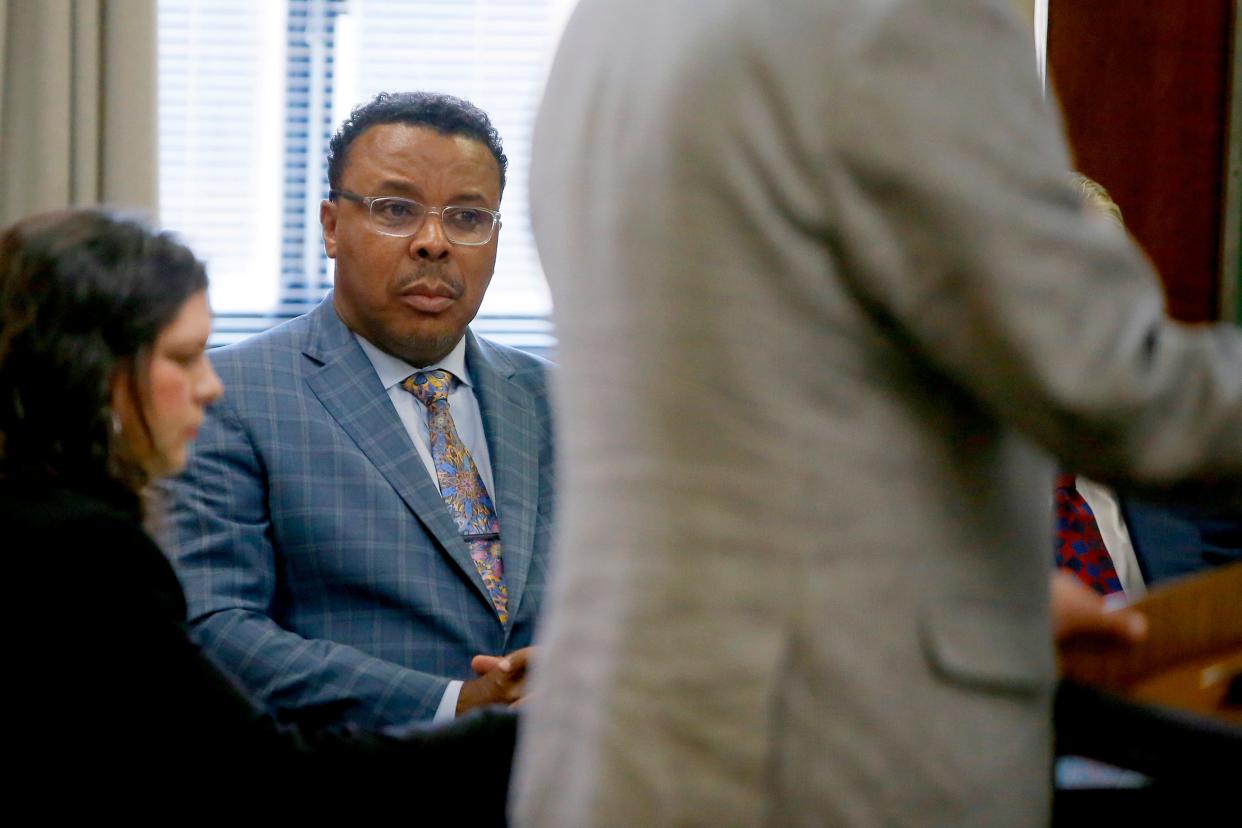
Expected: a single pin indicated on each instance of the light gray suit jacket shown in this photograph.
(320, 564)
(828, 305)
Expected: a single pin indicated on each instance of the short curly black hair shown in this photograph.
(445, 114)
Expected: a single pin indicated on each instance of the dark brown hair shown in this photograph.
(83, 295)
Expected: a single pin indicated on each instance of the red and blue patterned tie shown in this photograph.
(461, 486)
(1079, 546)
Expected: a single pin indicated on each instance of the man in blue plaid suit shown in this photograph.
(313, 532)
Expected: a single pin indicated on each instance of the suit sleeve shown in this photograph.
(219, 535)
(961, 231)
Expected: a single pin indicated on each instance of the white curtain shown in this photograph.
(78, 113)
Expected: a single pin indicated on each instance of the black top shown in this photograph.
(108, 692)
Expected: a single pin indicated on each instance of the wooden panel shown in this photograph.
(1145, 88)
(1231, 287)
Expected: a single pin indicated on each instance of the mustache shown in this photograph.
(431, 280)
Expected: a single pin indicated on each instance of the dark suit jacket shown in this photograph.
(107, 692)
(1170, 541)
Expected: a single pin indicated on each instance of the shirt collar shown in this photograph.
(393, 370)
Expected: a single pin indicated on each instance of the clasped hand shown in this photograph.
(501, 680)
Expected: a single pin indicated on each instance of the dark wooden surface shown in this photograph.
(1145, 89)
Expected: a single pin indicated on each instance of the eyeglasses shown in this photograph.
(401, 217)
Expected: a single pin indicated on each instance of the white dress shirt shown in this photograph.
(1115, 535)
(466, 419)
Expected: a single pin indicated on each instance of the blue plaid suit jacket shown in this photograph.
(321, 567)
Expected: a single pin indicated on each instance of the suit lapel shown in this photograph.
(346, 384)
(508, 416)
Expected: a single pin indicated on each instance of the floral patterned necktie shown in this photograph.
(1079, 544)
(461, 486)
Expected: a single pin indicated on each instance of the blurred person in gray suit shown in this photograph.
(828, 310)
(362, 528)
(1145, 543)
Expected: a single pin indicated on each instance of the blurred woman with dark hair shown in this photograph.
(93, 313)
(103, 382)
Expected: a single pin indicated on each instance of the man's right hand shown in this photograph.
(502, 680)
(1078, 612)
